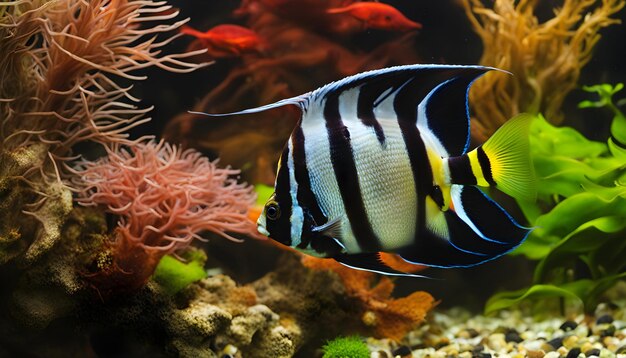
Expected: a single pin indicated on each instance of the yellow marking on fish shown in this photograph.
(476, 170)
(439, 177)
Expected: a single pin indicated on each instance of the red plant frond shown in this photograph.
(165, 196)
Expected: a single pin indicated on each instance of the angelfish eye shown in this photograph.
(272, 210)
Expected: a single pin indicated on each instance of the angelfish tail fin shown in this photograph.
(503, 161)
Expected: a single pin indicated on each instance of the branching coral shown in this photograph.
(383, 315)
(545, 58)
(61, 63)
(164, 198)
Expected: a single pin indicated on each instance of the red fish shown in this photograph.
(232, 39)
(377, 15)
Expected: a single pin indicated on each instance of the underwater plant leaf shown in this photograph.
(566, 216)
(605, 91)
(606, 193)
(263, 193)
(599, 287)
(610, 257)
(588, 237)
(616, 150)
(609, 177)
(618, 126)
(174, 275)
(561, 175)
(536, 247)
(549, 140)
(573, 290)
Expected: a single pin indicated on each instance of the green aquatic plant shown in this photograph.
(346, 347)
(580, 215)
(173, 274)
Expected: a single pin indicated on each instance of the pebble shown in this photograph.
(593, 352)
(402, 351)
(556, 342)
(604, 319)
(512, 336)
(458, 333)
(570, 341)
(535, 354)
(568, 326)
(574, 353)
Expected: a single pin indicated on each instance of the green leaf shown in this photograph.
(536, 247)
(599, 287)
(587, 238)
(566, 216)
(174, 275)
(573, 290)
(547, 139)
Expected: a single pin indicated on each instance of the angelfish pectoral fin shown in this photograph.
(331, 229)
(371, 262)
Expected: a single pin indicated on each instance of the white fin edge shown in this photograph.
(300, 101)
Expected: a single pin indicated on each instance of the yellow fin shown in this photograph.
(508, 151)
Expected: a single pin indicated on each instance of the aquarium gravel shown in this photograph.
(458, 333)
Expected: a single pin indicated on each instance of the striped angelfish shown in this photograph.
(379, 162)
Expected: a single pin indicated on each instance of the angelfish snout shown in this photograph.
(261, 225)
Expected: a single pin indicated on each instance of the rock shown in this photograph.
(535, 354)
(573, 353)
(606, 318)
(568, 325)
(242, 328)
(570, 341)
(512, 336)
(592, 352)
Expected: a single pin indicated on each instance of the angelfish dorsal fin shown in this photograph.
(434, 97)
(300, 101)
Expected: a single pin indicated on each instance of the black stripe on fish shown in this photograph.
(405, 107)
(490, 219)
(280, 229)
(305, 195)
(416, 89)
(485, 166)
(344, 166)
(370, 97)
(447, 110)
(461, 170)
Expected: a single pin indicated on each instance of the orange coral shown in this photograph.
(385, 316)
(545, 58)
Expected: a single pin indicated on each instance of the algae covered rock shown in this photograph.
(220, 316)
(33, 211)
